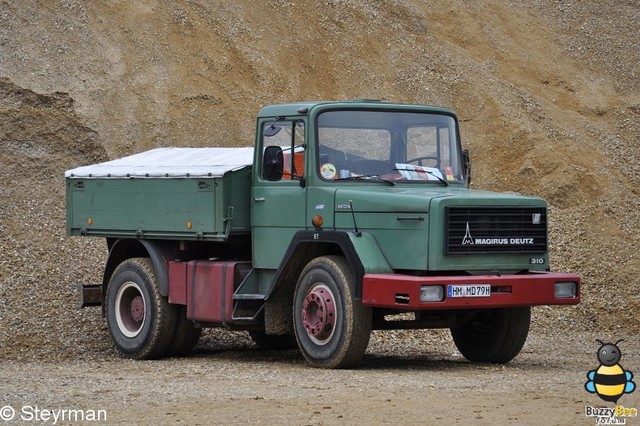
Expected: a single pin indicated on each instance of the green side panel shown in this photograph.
(184, 208)
(401, 238)
(372, 259)
(237, 193)
(278, 212)
(321, 201)
(270, 244)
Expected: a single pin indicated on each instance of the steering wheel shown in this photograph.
(426, 157)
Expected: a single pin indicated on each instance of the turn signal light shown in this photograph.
(317, 221)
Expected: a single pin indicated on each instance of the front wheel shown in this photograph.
(141, 321)
(495, 336)
(331, 327)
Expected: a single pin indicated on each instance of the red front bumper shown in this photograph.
(403, 291)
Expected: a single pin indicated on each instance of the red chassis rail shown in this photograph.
(403, 291)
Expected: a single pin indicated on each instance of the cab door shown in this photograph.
(278, 194)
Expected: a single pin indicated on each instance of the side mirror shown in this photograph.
(271, 130)
(466, 162)
(272, 163)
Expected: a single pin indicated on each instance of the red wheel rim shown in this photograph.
(130, 309)
(319, 314)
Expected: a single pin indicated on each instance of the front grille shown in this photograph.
(498, 229)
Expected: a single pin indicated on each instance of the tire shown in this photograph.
(141, 321)
(331, 327)
(185, 336)
(495, 336)
(273, 342)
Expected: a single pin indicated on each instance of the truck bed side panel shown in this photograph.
(180, 208)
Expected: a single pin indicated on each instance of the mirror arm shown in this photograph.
(466, 158)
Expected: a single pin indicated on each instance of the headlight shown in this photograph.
(566, 290)
(432, 293)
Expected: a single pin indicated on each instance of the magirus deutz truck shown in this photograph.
(343, 218)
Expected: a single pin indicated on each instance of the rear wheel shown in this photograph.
(331, 327)
(185, 336)
(141, 321)
(494, 336)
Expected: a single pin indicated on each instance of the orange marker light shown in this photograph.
(317, 221)
(189, 225)
(89, 221)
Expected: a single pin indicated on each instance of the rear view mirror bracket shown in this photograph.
(466, 160)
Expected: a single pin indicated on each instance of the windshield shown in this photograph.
(392, 145)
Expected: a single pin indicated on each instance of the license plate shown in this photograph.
(469, 290)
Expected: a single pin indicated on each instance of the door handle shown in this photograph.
(410, 218)
(259, 198)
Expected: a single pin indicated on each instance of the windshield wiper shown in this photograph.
(444, 182)
(375, 178)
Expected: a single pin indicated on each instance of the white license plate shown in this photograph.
(469, 290)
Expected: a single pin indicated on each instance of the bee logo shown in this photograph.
(609, 381)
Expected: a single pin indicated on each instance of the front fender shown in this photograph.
(361, 251)
(369, 253)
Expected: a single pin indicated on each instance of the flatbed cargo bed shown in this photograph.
(168, 193)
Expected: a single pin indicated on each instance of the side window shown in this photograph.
(283, 146)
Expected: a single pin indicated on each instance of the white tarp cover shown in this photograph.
(170, 162)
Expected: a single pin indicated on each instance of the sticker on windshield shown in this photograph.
(328, 171)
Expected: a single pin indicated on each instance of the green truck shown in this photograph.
(345, 217)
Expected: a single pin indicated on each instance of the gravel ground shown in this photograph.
(417, 379)
(549, 105)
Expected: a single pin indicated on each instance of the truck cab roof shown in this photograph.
(303, 108)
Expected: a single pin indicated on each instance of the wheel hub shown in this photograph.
(130, 309)
(137, 309)
(319, 314)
